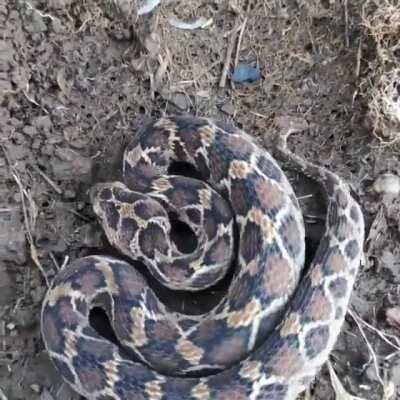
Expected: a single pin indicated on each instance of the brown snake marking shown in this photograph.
(273, 330)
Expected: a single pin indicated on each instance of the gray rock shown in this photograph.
(12, 237)
(69, 164)
(7, 287)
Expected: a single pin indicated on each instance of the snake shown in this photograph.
(274, 328)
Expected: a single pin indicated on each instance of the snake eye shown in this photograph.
(118, 207)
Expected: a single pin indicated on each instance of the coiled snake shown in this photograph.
(269, 335)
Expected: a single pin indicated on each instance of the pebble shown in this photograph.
(228, 109)
(153, 44)
(179, 100)
(90, 236)
(46, 395)
(37, 24)
(387, 184)
(25, 317)
(47, 150)
(70, 194)
(43, 122)
(7, 288)
(289, 123)
(37, 144)
(12, 238)
(69, 164)
(59, 4)
(35, 388)
(393, 317)
(6, 54)
(10, 326)
(38, 293)
(74, 137)
(29, 130)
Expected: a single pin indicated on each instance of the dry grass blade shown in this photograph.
(384, 336)
(369, 346)
(47, 179)
(229, 52)
(2, 395)
(29, 216)
(340, 391)
(388, 387)
(32, 247)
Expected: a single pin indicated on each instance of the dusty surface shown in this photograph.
(75, 80)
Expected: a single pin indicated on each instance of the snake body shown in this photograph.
(272, 331)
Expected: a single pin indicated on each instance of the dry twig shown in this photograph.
(47, 179)
(229, 52)
(29, 217)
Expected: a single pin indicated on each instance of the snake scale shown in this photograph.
(276, 325)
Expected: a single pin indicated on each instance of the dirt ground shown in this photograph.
(75, 81)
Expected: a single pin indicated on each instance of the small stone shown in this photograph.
(43, 122)
(74, 137)
(10, 326)
(393, 317)
(59, 4)
(90, 236)
(7, 288)
(138, 64)
(370, 373)
(153, 44)
(228, 109)
(6, 54)
(18, 138)
(12, 237)
(17, 198)
(29, 130)
(180, 101)
(24, 317)
(38, 293)
(204, 94)
(57, 26)
(387, 184)
(69, 164)
(46, 395)
(37, 144)
(17, 152)
(5, 87)
(47, 150)
(35, 388)
(37, 24)
(70, 194)
(395, 373)
(288, 123)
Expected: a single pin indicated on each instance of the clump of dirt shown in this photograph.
(77, 78)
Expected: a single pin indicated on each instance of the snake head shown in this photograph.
(126, 215)
(104, 198)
